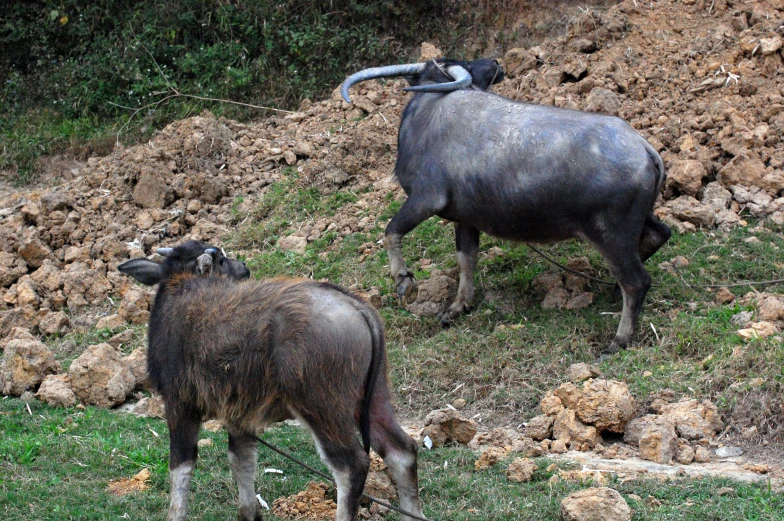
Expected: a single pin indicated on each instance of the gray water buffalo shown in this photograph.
(251, 353)
(520, 172)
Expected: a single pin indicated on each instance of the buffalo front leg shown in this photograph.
(467, 246)
(242, 459)
(183, 450)
(414, 211)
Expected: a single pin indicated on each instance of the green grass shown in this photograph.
(509, 350)
(55, 464)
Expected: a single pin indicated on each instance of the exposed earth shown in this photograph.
(702, 80)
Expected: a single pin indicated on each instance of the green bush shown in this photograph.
(72, 60)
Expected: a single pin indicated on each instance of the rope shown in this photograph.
(601, 281)
(329, 478)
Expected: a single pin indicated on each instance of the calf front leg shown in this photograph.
(467, 245)
(183, 451)
(243, 455)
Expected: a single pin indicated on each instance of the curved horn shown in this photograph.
(390, 71)
(164, 252)
(204, 264)
(461, 76)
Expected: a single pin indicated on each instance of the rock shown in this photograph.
(579, 301)
(770, 45)
(293, 243)
(686, 176)
(135, 306)
(99, 376)
(569, 394)
(685, 453)
(540, 427)
(54, 323)
(33, 251)
(137, 364)
(742, 170)
(25, 364)
(724, 296)
(547, 281)
(445, 426)
(595, 504)
(558, 446)
(11, 268)
(428, 52)
(433, 294)
(521, 470)
(150, 407)
(110, 322)
(702, 454)
(151, 191)
(581, 371)
(556, 298)
(551, 404)
(489, 457)
(770, 307)
(56, 391)
(634, 428)
(606, 404)
(729, 452)
(687, 208)
(583, 45)
(604, 101)
(716, 196)
(567, 427)
(658, 441)
(379, 484)
(694, 420)
(518, 61)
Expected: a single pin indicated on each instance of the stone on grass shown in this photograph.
(56, 391)
(606, 404)
(540, 427)
(100, 377)
(521, 470)
(694, 420)
(25, 364)
(582, 371)
(658, 441)
(568, 428)
(445, 426)
(595, 504)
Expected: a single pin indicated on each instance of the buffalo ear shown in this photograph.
(144, 270)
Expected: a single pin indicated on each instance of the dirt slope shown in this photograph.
(701, 79)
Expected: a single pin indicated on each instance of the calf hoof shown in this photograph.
(406, 288)
(610, 350)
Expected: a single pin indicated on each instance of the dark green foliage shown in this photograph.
(71, 63)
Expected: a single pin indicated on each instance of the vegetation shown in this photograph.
(55, 464)
(72, 73)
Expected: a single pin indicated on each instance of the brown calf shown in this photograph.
(252, 353)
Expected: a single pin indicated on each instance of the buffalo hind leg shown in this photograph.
(413, 212)
(467, 248)
(654, 234)
(399, 452)
(183, 451)
(243, 456)
(635, 282)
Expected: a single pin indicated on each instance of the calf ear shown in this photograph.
(144, 270)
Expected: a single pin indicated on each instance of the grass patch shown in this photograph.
(55, 464)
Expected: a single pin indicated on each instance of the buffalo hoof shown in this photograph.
(448, 316)
(609, 351)
(406, 288)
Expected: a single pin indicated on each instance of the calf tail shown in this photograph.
(377, 357)
(661, 175)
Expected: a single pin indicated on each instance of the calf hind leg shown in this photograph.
(399, 452)
(243, 455)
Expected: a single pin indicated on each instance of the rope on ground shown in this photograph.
(329, 478)
(602, 281)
